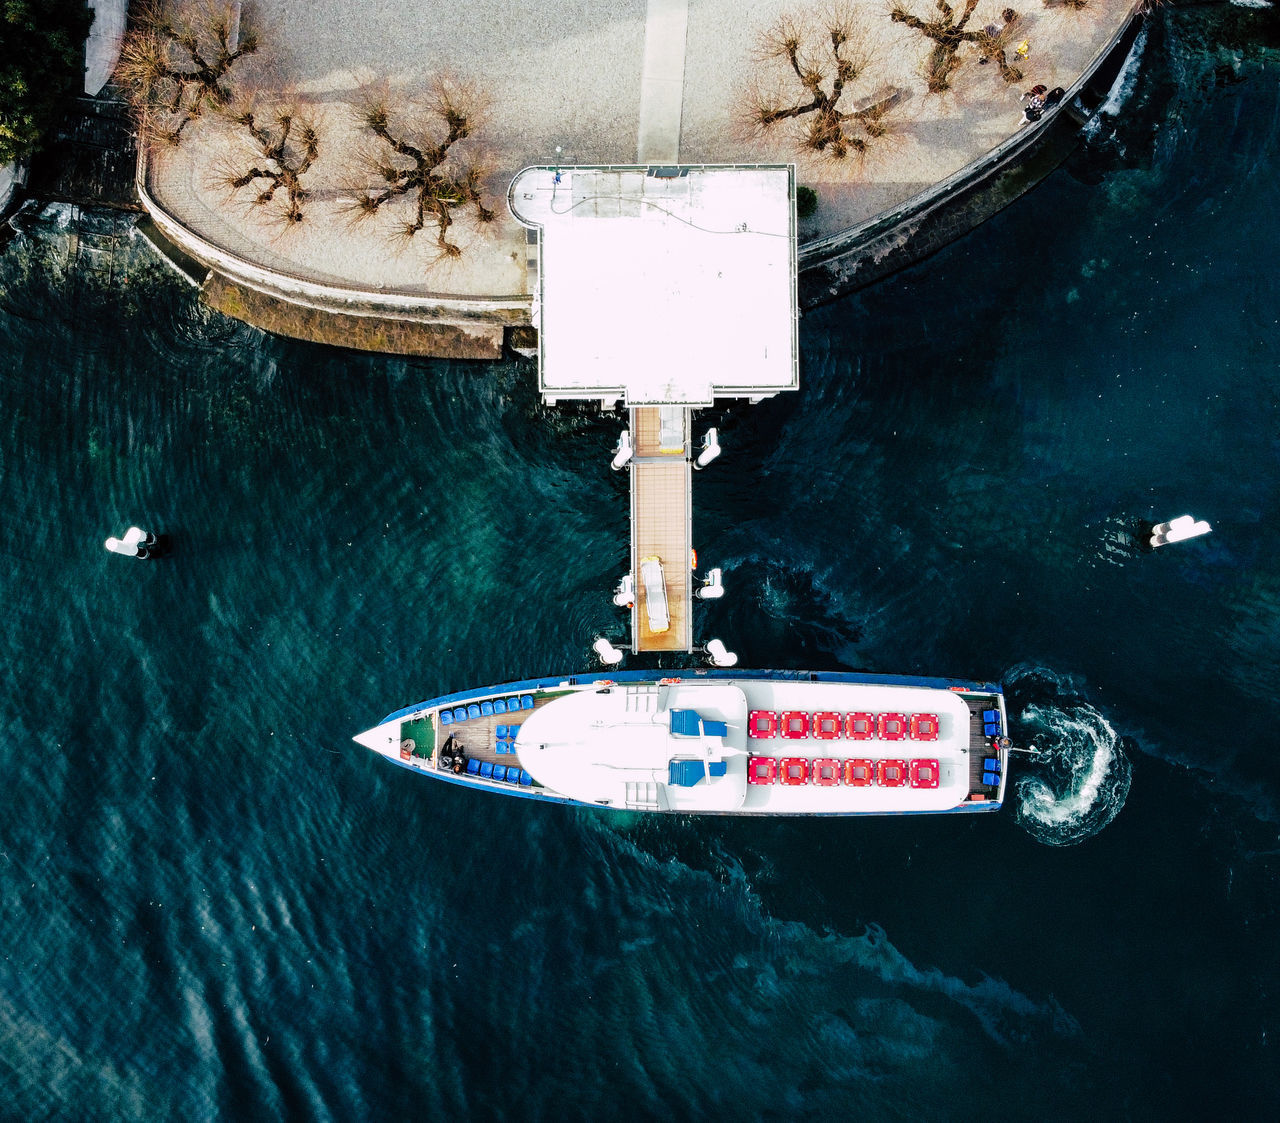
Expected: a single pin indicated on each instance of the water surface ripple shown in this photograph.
(217, 907)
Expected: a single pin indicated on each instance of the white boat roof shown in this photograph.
(616, 746)
(592, 745)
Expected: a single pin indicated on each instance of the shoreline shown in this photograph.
(271, 282)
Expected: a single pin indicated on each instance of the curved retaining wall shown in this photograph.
(923, 224)
(425, 308)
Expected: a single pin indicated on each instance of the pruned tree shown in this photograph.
(176, 62)
(420, 154)
(827, 64)
(949, 34)
(283, 145)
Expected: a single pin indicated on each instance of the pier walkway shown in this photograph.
(662, 524)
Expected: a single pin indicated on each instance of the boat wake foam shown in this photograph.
(1080, 778)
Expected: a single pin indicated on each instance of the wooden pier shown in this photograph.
(662, 523)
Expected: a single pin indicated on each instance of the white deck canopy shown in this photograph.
(662, 284)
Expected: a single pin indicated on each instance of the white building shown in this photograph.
(662, 285)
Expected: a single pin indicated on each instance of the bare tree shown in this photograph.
(420, 154)
(827, 64)
(283, 145)
(949, 34)
(175, 63)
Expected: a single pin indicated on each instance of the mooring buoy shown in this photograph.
(138, 543)
(1177, 530)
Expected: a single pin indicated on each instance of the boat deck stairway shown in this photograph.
(642, 700)
(643, 795)
(662, 523)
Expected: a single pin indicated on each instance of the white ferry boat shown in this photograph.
(729, 742)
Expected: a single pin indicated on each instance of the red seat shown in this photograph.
(763, 724)
(859, 773)
(795, 725)
(924, 727)
(924, 773)
(891, 773)
(762, 770)
(892, 727)
(860, 726)
(827, 726)
(795, 771)
(826, 772)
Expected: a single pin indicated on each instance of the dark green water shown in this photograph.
(216, 906)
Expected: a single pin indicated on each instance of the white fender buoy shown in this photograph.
(609, 655)
(624, 596)
(623, 452)
(720, 655)
(713, 589)
(1178, 530)
(710, 449)
(136, 543)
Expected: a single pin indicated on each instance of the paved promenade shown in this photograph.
(614, 82)
(662, 81)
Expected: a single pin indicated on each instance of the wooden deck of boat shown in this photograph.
(661, 526)
(979, 748)
(478, 735)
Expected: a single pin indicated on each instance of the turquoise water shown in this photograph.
(217, 906)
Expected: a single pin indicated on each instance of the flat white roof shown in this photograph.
(663, 284)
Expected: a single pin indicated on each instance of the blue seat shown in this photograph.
(446, 718)
(486, 709)
(685, 773)
(525, 779)
(502, 746)
(991, 779)
(499, 706)
(486, 771)
(499, 771)
(991, 728)
(513, 774)
(473, 767)
(460, 713)
(717, 768)
(990, 715)
(526, 701)
(512, 730)
(685, 723)
(991, 764)
(473, 711)
(500, 732)
(715, 729)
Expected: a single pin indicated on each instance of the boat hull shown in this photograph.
(609, 739)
